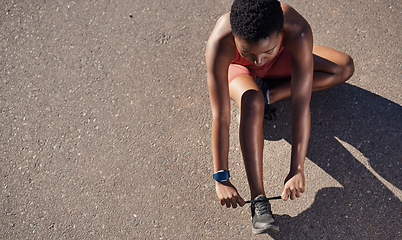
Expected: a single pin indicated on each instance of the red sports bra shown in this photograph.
(238, 59)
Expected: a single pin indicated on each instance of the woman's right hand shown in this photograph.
(228, 194)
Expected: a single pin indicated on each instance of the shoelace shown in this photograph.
(264, 200)
(261, 208)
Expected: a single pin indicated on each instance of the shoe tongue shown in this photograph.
(262, 206)
(259, 198)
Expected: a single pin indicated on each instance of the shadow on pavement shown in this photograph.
(356, 138)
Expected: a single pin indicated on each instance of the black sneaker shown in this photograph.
(269, 111)
(262, 218)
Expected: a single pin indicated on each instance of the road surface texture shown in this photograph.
(105, 125)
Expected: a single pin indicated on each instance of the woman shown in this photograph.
(250, 48)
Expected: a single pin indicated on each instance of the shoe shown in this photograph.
(270, 110)
(262, 218)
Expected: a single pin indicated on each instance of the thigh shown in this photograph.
(237, 70)
(240, 85)
(329, 60)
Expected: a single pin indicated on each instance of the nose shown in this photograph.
(258, 61)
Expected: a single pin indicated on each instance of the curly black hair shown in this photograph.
(254, 20)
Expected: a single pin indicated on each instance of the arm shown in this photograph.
(300, 44)
(219, 54)
(217, 65)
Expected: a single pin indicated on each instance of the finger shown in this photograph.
(297, 193)
(222, 201)
(285, 194)
(234, 202)
(227, 203)
(241, 201)
(293, 194)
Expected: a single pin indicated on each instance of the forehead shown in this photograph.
(259, 46)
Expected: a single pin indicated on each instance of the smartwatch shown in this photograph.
(221, 175)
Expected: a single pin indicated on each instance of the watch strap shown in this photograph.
(221, 175)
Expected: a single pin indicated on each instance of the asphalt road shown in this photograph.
(105, 125)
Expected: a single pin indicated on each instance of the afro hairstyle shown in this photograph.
(254, 20)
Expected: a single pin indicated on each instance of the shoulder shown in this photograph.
(296, 29)
(222, 28)
(221, 38)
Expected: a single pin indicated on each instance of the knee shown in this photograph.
(346, 70)
(252, 103)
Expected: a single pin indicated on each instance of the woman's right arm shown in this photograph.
(219, 54)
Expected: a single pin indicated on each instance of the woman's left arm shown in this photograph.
(299, 42)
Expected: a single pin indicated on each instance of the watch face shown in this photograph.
(221, 175)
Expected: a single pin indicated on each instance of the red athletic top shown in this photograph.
(278, 67)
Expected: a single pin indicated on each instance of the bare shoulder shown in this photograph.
(221, 38)
(222, 28)
(296, 29)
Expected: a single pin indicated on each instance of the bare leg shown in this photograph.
(331, 67)
(246, 93)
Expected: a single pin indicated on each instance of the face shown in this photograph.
(260, 52)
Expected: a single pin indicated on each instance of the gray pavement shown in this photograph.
(105, 125)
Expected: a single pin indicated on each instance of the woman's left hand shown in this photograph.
(294, 185)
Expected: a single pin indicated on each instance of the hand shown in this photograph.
(294, 185)
(228, 194)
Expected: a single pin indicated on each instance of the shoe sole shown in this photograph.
(269, 229)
